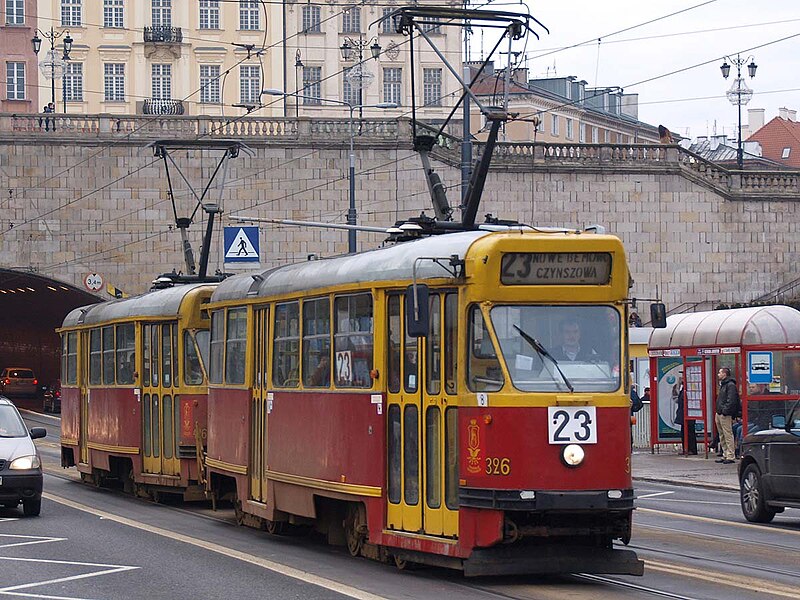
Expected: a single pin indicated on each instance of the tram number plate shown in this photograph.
(572, 424)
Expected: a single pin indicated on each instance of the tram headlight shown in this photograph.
(572, 455)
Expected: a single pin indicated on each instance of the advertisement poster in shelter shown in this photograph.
(669, 374)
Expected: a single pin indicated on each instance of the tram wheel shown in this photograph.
(238, 512)
(276, 527)
(353, 530)
(401, 563)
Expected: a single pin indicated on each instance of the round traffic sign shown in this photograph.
(93, 282)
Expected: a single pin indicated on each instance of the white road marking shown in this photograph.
(107, 570)
(304, 576)
(33, 539)
(653, 495)
(698, 501)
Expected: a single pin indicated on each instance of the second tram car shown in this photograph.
(134, 391)
(461, 400)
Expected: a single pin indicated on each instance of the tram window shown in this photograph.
(166, 415)
(483, 369)
(411, 455)
(95, 358)
(175, 355)
(410, 364)
(154, 346)
(317, 343)
(393, 358)
(154, 423)
(108, 355)
(148, 430)
(450, 342)
(286, 349)
(125, 348)
(353, 342)
(192, 371)
(394, 453)
(433, 347)
(216, 347)
(70, 369)
(433, 457)
(235, 345)
(203, 339)
(451, 458)
(146, 358)
(166, 355)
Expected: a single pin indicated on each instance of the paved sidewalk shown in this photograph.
(670, 467)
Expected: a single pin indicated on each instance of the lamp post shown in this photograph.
(353, 49)
(298, 65)
(51, 66)
(739, 94)
(351, 211)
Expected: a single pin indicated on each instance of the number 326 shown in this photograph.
(498, 466)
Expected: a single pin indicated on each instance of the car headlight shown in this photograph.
(25, 463)
(572, 455)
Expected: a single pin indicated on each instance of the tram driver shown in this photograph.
(570, 348)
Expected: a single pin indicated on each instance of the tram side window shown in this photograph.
(108, 355)
(433, 348)
(192, 371)
(235, 345)
(166, 355)
(393, 359)
(95, 358)
(483, 369)
(146, 354)
(286, 348)
(353, 342)
(125, 347)
(217, 346)
(69, 369)
(450, 342)
(317, 343)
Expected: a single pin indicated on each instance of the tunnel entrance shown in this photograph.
(32, 306)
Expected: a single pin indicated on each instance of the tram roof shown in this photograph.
(382, 264)
(158, 303)
(775, 325)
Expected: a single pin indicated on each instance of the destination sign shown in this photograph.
(556, 268)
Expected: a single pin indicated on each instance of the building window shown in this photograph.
(595, 135)
(15, 12)
(312, 86)
(351, 94)
(351, 20)
(554, 126)
(249, 84)
(114, 79)
(209, 84)
(389, 25)
(540, 126)
(432, 87)
(15, 80)
(162, 82)
(570, 131)
(786, 152)
(249, 16)
(392, 85)
(606, 136)
(581, 133)
(209, 14)
(73, 82)
(112, 14)
(71, 13)
(430, 28)
(311, 19)
(162, 13)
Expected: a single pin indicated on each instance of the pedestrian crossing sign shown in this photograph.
(241, 245)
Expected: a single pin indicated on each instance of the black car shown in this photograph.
(52, 397)
(769, 473)
(20, 465)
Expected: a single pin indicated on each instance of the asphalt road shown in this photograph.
(93, 543)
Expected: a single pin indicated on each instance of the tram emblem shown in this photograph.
(473, 447)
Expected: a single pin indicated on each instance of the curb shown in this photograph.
(725, 487)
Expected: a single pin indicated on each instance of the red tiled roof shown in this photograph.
(777, 135)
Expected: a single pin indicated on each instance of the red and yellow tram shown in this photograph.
(460, 400)
(134, 391)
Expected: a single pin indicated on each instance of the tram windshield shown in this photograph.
(560, 348)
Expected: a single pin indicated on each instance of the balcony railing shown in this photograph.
(152, 106)
(162, 34)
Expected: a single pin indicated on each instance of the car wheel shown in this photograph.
(31, 507)
(754, 505)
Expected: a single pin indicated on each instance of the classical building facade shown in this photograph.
(20, 93)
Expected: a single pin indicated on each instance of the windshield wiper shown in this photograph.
(536, 345)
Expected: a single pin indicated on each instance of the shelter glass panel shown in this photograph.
(286, 348)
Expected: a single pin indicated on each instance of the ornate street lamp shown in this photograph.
(739, 94)
(53, 67)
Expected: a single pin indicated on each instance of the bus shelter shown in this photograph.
(760, 345)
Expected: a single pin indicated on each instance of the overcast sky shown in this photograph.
(691, 102)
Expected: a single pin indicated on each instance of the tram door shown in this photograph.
(83, 386)
(259, 408)
(421, 420)
(160, 409)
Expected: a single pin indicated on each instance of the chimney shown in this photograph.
(792, 115)
(783, 113)
(718, 140)
(755, 119)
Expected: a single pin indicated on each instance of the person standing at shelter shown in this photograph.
(728, 407)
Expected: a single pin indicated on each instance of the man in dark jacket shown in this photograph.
(728, 407)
